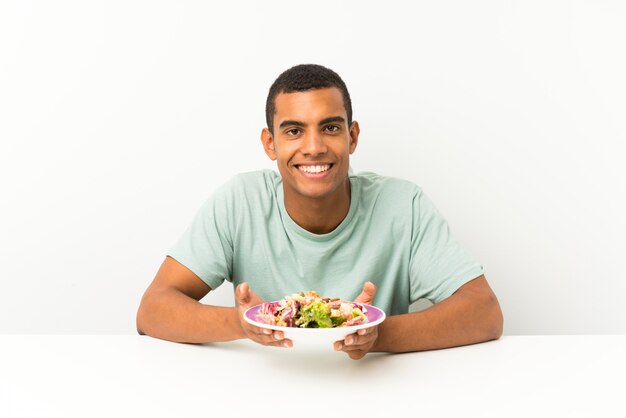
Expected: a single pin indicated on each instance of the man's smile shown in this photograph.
(316, 170)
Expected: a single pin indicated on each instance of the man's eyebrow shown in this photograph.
(291, 123)
(302, 124)
(332, 119)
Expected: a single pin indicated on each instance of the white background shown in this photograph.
(119, 118)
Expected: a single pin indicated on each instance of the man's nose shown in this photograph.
(313, 144)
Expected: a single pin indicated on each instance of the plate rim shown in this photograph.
(283, 328)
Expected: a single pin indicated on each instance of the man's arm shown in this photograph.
(170, 310)
(471, 315)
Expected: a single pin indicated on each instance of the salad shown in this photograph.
(310, 310)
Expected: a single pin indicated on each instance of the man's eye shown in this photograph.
(332, 128)
(293, 132)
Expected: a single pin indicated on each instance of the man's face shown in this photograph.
(311, 143)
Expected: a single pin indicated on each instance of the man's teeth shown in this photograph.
(314, 168)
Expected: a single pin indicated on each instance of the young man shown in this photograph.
(318, 226)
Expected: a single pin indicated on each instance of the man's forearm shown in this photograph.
(173, 316)
(459, 320)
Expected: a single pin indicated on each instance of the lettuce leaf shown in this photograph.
(315, 315)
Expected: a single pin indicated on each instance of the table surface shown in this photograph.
(126, 375)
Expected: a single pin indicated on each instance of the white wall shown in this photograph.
(118, 119)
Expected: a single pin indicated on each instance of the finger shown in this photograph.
(358, 346)
(243, 294)
(273, 343)
(271, 340)
(354, 352)
(285, 342)
(351, 340)
(282, 344)
(356, 355)
(357, 342)
(260, 331)
(266, 336)
(368, 293)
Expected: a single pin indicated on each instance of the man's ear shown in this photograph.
(267, 139)
(354, 135)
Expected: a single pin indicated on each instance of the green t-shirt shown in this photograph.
(392, 236)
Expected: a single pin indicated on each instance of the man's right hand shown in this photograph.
(246, 299)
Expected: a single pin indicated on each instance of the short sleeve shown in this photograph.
(206, 247)
(438, 264)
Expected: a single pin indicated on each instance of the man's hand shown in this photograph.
(246, 299)
(359, 344)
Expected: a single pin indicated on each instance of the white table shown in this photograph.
(123, 376)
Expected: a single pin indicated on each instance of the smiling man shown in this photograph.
(316, 225)
(311, 145)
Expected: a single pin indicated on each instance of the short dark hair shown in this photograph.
(305, 77)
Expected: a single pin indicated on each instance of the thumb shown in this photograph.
(243, 294)
(368, 293)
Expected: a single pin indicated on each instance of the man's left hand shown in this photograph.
(360, 343)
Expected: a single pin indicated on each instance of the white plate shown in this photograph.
(317, 337)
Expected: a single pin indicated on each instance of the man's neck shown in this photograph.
(320, 216)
